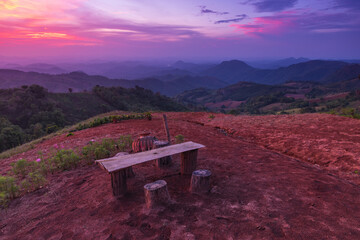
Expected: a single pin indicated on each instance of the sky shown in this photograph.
(180, 29)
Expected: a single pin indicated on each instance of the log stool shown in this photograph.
(200, 181)
(165, 161)
(156, 193)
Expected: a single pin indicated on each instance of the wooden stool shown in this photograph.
(200, 181)
(156, 193)
(165, 161)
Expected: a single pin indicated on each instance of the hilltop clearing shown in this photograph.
(256, 192)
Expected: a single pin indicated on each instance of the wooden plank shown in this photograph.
(116, 163)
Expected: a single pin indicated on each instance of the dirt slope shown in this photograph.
(257, 193)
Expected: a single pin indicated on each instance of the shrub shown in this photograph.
(113, 119)
(21, 168)
(8, 190)
(212, 116)
(33, 181)
(105, 148)
(179, 138)
(63, 160)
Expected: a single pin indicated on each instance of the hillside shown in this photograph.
(314, 71)
(272, 177)
(79, 81)
(31, 111)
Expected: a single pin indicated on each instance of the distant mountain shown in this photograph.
(191, 67)
(238, 71)
(37, 67)
(345, 73)
(231, 71)
(127, 70)
(80, 81)
(237, 92)
(274, 64)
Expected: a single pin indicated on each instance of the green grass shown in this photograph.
(26, 176)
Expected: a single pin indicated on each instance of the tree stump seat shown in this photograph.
(156, 193)
(200, 181)
(119, 166)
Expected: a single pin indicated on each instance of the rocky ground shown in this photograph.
(274, 177)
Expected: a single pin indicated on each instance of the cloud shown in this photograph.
(77, 24)
(238, 19)
(204, 10)
(299, 21)
(271, 5)
(350, 4)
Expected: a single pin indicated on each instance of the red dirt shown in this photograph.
(257, 193)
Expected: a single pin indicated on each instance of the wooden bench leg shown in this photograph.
(118, 182)
(165, 161)
(188, 162)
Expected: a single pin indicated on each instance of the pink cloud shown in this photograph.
(265, 25)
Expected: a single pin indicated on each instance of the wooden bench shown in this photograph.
(118, 166)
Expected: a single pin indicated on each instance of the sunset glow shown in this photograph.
(177, 26)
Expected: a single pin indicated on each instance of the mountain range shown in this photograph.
(182, 76)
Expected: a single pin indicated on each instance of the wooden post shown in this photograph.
(188, 161)
(129, 171)
(200, 181)
(166, 128)
(156, 193)
(118, 182)
(165, 161)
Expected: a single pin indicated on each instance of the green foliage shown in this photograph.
(148, 116)
(70, 134)
(109, 119)
(21, 168)
(212, 116)
(31, 112)
(63, 160)
(10, 135)
(33, 181)
(8, 190)
(105, 148)
(179, 138)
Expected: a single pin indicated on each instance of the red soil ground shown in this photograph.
(274, 177)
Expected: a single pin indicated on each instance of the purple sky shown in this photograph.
(177, 29)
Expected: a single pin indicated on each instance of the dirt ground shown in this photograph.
(274, 177)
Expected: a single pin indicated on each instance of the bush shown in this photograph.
(21, 168)
(33, 181)
(105, 148)
(8, 190)
(179, 138)
(63, 160)
(113, 119)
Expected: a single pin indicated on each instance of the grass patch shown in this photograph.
(27, 176)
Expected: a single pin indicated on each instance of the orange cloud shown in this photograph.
(49, 35)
